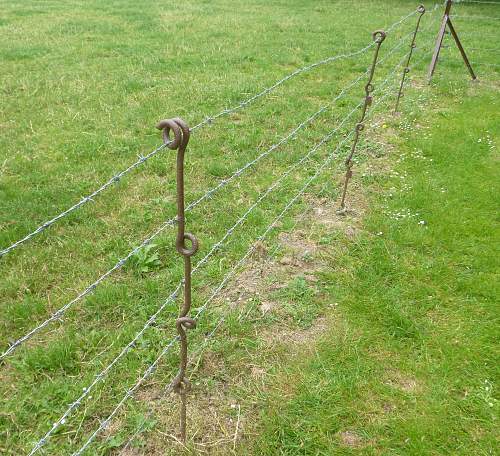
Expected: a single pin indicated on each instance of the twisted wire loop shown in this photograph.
(406, 70)
(378, 38)
(181, 383)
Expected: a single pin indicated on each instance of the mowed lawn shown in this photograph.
(404, 360)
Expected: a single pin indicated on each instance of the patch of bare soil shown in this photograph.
(402, 382)
(350, 439)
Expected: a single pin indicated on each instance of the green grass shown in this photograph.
(410, 364)
(82, 86)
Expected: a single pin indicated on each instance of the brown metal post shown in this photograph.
(446, 21)
(421, 10)
(378, 37)
(461, 49)
(181, 384)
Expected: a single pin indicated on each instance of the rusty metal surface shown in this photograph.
(446, 22)
(378, 37)
(406, 70)
(181, 384)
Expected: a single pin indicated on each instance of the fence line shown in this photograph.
(485, 49)
(199, 264)
(215, 247)
(83, 201)
(479, 18)
(56, 316)
(201, 310)
(479, 1)
(221, 320)
(496, 65)
(99, 377)
(208, 120)
(228, 276)
(168, 389)
(376, 105)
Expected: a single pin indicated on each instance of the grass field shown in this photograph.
(367, 334)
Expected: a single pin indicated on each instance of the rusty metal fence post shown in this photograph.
(378, 37)
(406, 70)
(181, 384)
(446, 21)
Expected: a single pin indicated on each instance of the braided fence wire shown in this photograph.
(337, 138)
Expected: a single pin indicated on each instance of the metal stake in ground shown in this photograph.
(421, 10)
(446, 21)
(181, 384)
(378, 37)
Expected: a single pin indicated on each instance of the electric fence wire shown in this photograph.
(142, 159)
(57, 315)
(148, 372)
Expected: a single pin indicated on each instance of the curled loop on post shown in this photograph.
(188, 251)
(379, 36)
(184, 323)
(421, 9)
(179, 128)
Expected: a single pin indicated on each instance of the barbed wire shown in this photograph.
(172, 296)
(99, 377)
(229, 232)
(227, 278)
(484, 2)
(56, 316)
(142, 159)
(169, 387)
(484, 49)
(197, 352)
(116, 178)
(473, 17)
(202, 309)
(496, 65)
